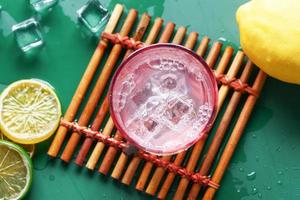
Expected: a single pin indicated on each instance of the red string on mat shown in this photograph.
(130, 43)
(236, 84)
(125, 41)
(125, 147)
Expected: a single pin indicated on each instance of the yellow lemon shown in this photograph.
(270, 36)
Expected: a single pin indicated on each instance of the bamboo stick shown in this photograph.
(85, 82)
(100, 146)
(118, 170)
(198, 147)
(179, 36)
(191, 40)
(109, 156)
(221, 131)
(111, 152)
(140, 30)
(231, 74)
(120, 165)
(170, 177)
(236, 135)
(228, 52)
(203, 46)
(143, 176)
(131, 170)
(213, 54)
(99, 87)
(223, 91)
(95, 126)
(154, 31)
(159, 172)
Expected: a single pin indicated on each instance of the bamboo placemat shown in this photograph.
(121, 161)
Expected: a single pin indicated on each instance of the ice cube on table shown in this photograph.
(42, 6)
(28, 35)
(93, 16)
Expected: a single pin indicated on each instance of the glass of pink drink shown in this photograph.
(163, 98)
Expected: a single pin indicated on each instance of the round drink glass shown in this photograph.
(163, 98)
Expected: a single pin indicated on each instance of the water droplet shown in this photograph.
(279, 182)
(42, 164)
(238, 190)
(222, 39)
(254, 190)
(278, 149)
(279, 172)
(51, 177)
(241, 169)
(251, 176)
(259, 195)
(257, 158)
(253, 136)
(269, 188)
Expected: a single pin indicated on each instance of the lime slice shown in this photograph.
(29, 111)
(15, 171)
(30, 148)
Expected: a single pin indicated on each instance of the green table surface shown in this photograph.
(269, 148)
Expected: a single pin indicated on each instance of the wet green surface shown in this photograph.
(266, 164)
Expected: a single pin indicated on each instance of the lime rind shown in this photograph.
(22, 131)
(30, 148)
(27, 163)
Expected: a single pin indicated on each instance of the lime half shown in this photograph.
(15, 171)
(29, 111)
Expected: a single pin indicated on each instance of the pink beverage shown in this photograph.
(163, 98)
